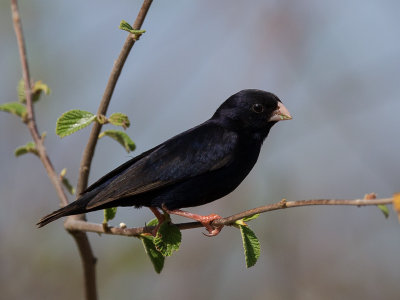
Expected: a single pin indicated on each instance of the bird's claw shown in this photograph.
(212, 230)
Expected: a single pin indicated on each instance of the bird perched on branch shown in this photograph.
(193, 168)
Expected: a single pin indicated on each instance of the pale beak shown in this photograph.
(281, 113)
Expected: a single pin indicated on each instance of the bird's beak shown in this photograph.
(281, 113)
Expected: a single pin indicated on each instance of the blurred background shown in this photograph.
(335, 65)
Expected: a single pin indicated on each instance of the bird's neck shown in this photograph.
(248, 134)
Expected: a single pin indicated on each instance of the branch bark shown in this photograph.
(76, 225)
(88, 260)
(81, 239)
(105, 101)
(31, 120)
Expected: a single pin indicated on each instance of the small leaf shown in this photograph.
(168, 239)
(127, 27)
(15, 108)
(384, 209)
(66, 182)
(70, 188)
(72, 121)
(121, 137)
(30, 147)
(63, 172)
(109, 214)
(41, 86)
(240, 222)
(396, 204)
(37, 90)
(21, 91)
(152, 222)
(251, 245)
(253, 217)
(124, 25)
(119, 119)
(157, 259)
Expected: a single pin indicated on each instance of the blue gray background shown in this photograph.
(335, 65)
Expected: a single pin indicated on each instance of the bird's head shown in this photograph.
(252, 111)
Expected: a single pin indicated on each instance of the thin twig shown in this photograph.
(100, 228)
(105, 101)
(31, 121)
(81, 238)
(89, 262)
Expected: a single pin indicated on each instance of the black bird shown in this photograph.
(193, 168)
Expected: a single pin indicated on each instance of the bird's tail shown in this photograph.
(74, 208)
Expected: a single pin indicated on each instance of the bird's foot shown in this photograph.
(160, 217)
(206, 221)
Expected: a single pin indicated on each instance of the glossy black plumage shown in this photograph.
(193, 168)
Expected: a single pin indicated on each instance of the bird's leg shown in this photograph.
(204, 220)
(160, 217)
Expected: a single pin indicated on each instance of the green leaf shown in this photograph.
(109, 214)
(124, 25)
(127, 27)
(21, 91)
(384, 209)
(70, 188)
(66, 183)
(72, 121)
(37, 90)
(152, 222)
(251, 245)
(14, 108)
(253, 217)
(119, 119)
(121, 137)
(168, 238)
(30, 147)
(157, 259)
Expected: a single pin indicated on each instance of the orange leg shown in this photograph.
(160, 219)
(205, 220)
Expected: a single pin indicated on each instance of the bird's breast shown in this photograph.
(211, 185)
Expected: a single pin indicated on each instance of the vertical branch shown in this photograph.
(81, 239)
(105, 101)
(88, 263)
(31, 121)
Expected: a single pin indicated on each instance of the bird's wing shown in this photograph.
(202, 149)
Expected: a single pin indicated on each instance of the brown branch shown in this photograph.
(289, 204)
(87, 260)
(100, 228)
(81, 238)
(31, 121)
(105, 101)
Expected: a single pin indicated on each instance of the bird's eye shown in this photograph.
(257, 108)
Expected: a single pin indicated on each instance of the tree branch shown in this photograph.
(81, 238)
(88, 260)
(105, 101)
(76, 225)
(31, 121)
